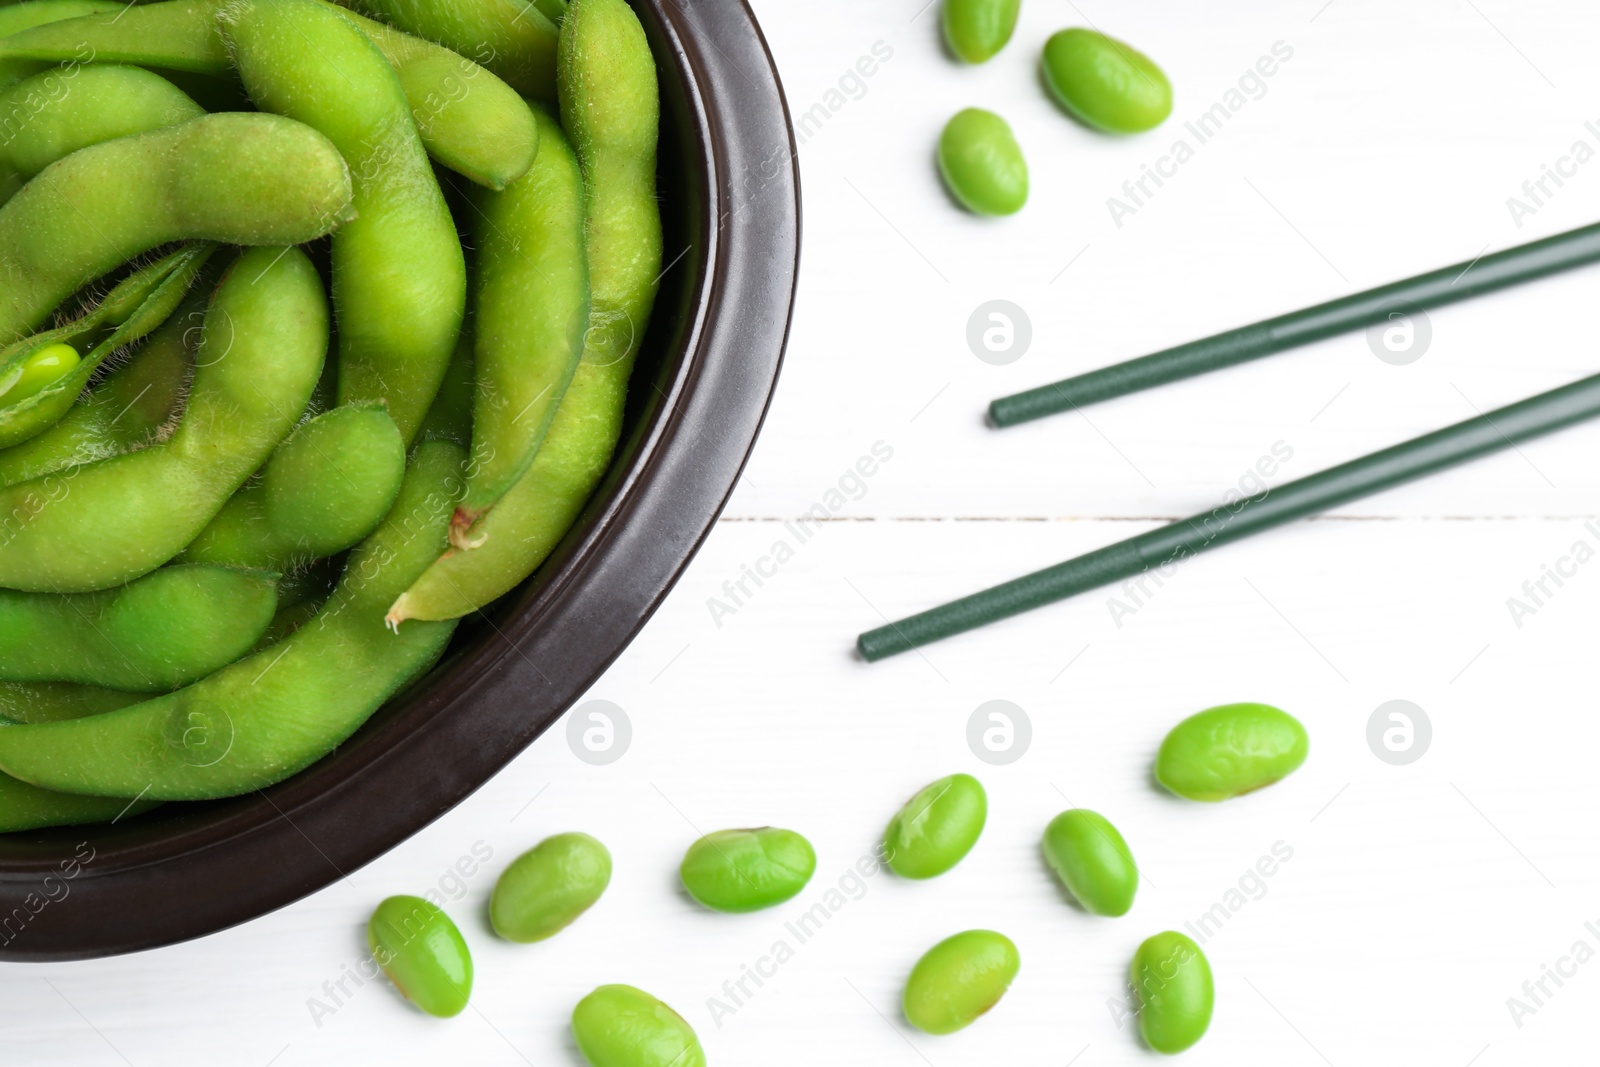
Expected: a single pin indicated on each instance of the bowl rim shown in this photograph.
(76, 893)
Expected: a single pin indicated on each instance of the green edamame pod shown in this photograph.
(1172, 979)
(976, 30)
(125, 411)
(958, 980)
(620, 1026)
(610, 107)
(158, 290)
(100, 524)
(177, 35)
(22, 702)
(18, 17)
(510, 37)
(547, 887)
(1231, 750)
(236, 178)
(937, 827)
(531, 307)
(422, 953)
(399, 277)
(450, 418)
(53, 114)
(273, 713)
(325, 488)
(1092, 861)
(471, 121)
(27, 807)
(554, 10)
(747, 870)
(171, 627)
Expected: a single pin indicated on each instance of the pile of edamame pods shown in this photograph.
(266, 429)
(1211, 756)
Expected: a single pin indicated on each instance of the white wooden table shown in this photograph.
(1414, 899)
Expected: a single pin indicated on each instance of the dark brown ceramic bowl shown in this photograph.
(731, 201)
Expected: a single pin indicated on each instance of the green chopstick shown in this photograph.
(1355, 312)
(1173, 543)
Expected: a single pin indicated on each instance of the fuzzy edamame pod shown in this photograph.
(53, 114)
(100, 524)
(124, 412)
(18, 17)
(273, 713)
(399, 276)
(244, 179)
(611, 107)
(23, 702)
(324, 489)
(513, 38)
(531, 307)
(27, 807)
(450, 417)
(172, 627)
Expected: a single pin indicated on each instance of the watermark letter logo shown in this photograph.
(999, 732)
(999, 332)
(598, 732)
(1399, 732)
(1402, 337)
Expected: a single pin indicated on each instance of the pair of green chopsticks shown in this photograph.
(1404, 462)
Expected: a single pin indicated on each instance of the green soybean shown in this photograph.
(611, 109)
(422, 953)
(27, 807)
(1230, 750)
(177, 35)
(58, 112)
(747, 870)
(100, 524)
(512, 38)
(960, 979)
(531, 301)
(325, 488)
(399, 277)
(275, 712)
(937, 827)
(23, 702)
(236, 178)
(1092, 861)
(1173, 983)
(976, 30)
(620, 1026)
(1104, 83)
(547, 887)
(169, 628)
(135, 307)
(126, 411)
(982, 164)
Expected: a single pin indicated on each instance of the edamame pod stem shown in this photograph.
(325, 488)
(18, 17)
(167, 629)
(54, 114)
(100, 524)
(272, 714)
(27, 807)
(242, 179)
(53, 701)
(531, 308)
(123, 413)
(610, 106)
(510, 37)
(399, 277)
